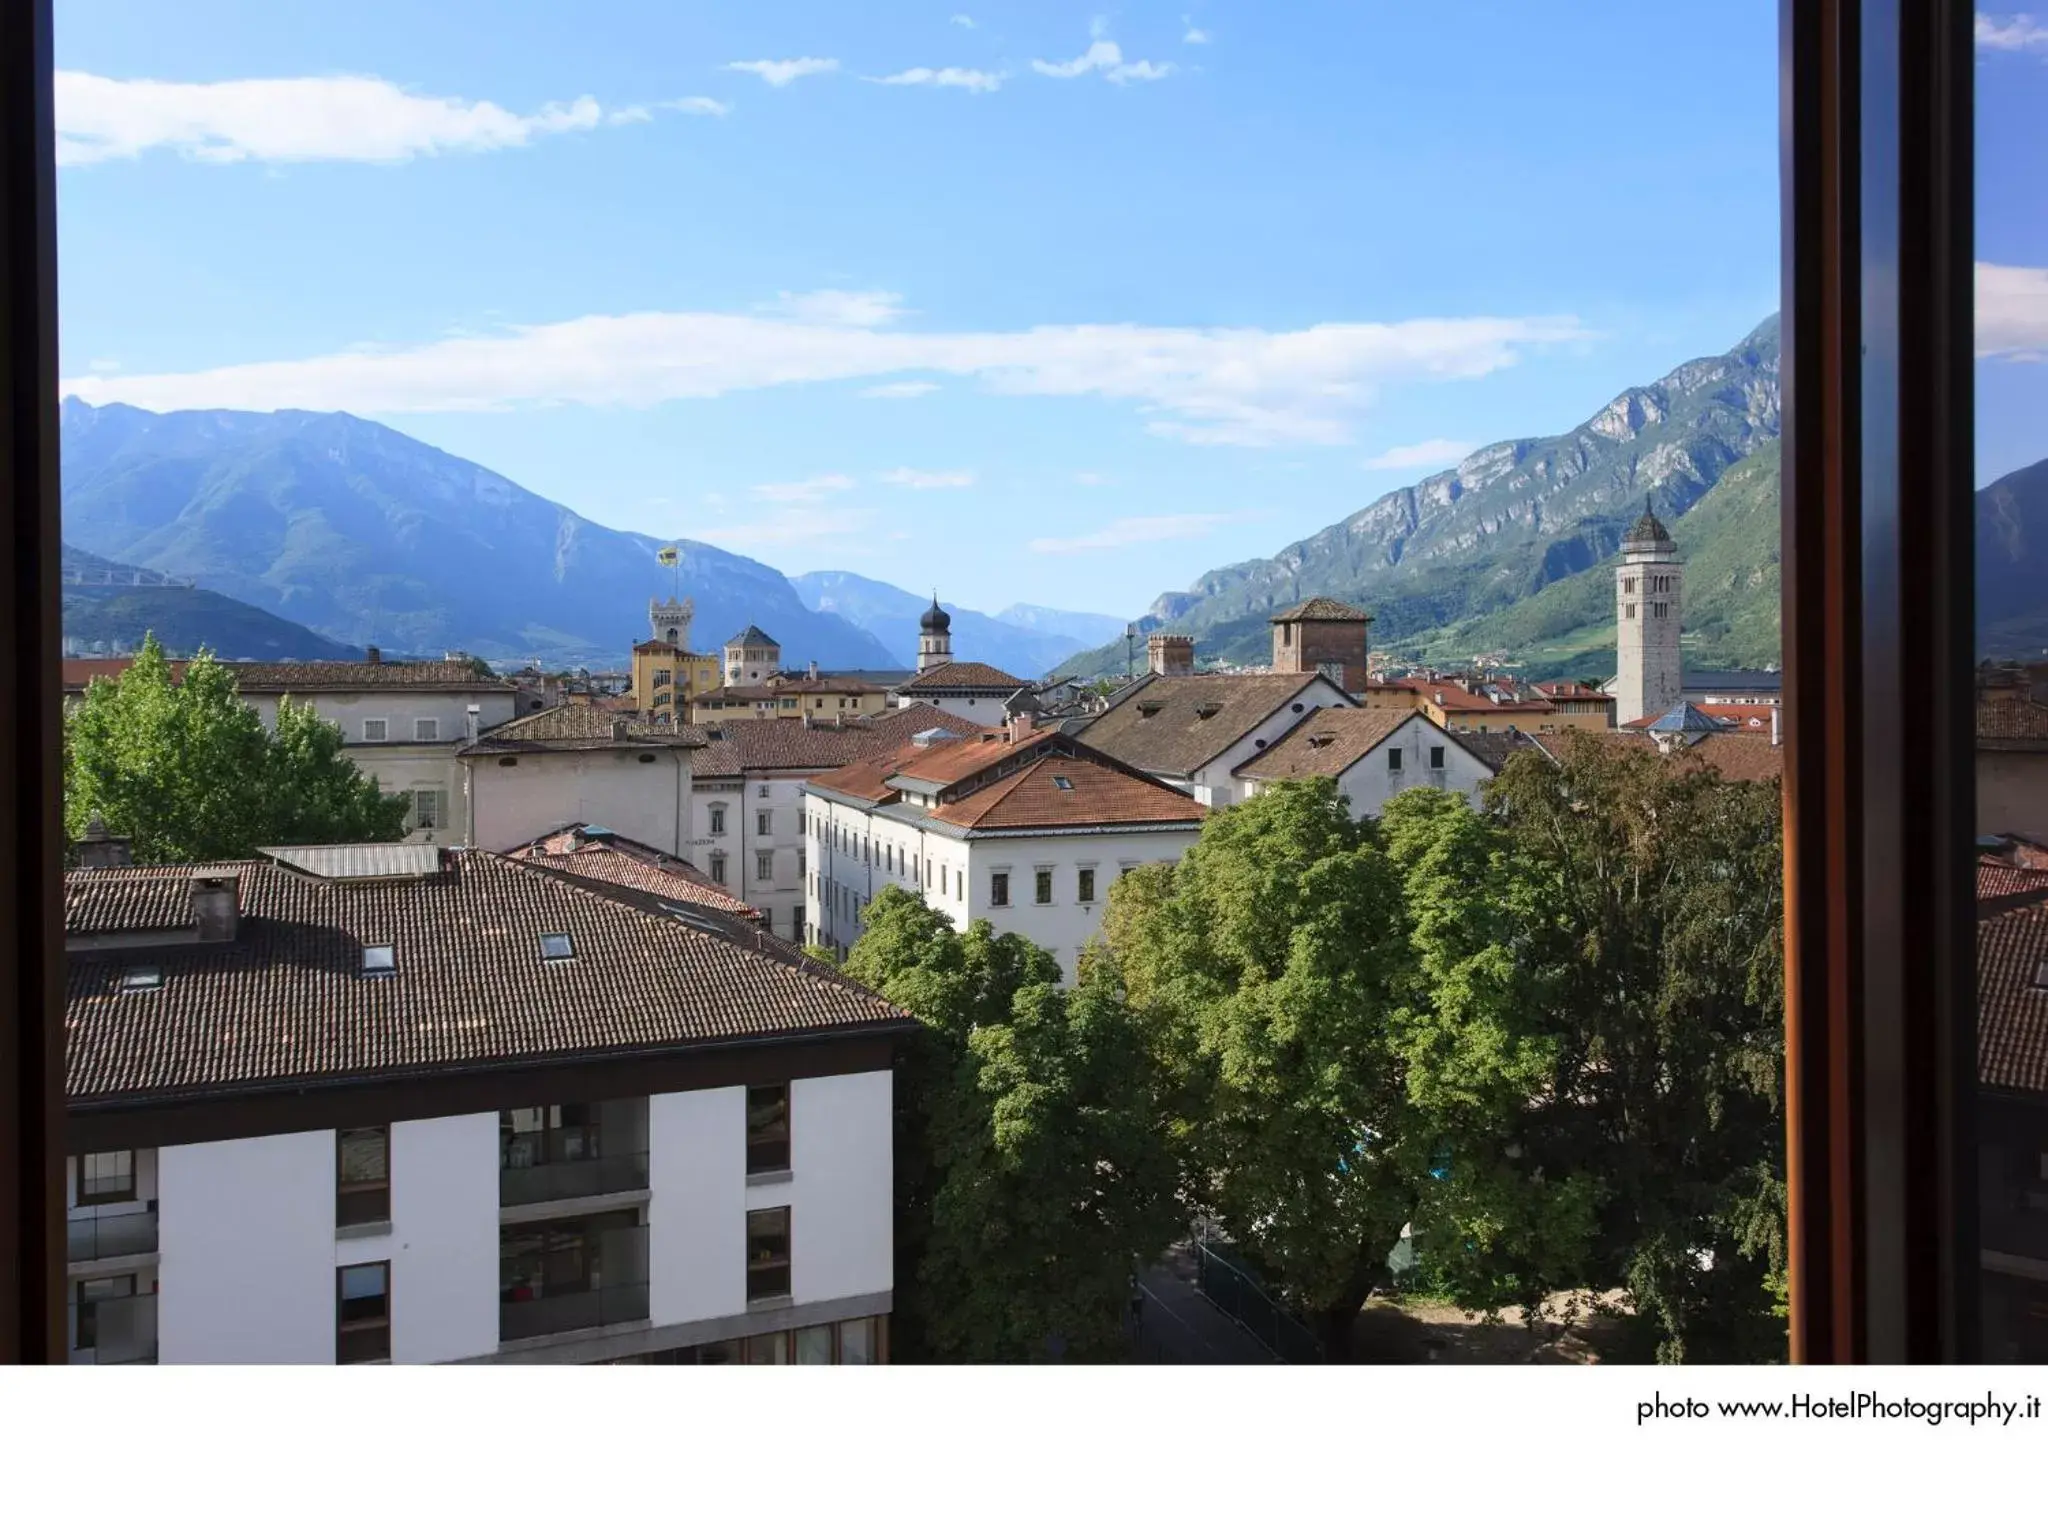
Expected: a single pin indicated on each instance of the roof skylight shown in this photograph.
(142, 978)
(379, 959)
(557, 946)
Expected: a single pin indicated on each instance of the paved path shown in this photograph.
(1181, 1326)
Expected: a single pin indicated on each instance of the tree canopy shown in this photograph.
(187, 772)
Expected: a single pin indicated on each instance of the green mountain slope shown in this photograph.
(1511, 521)
(109, 607)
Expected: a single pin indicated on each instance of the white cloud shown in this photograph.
(781, 71)
(344, 117)
(629, 115)
(1126, 531)
(797, 525)
(1241, 386)
(815, 489)
(963, 20)
(1434, 454)
(838, 306)
(1195, 36)
(909, 389)
(2012, 313)
(699, 106)
(1106, 59)
(930, 479)
(2011, 34)
(976, 80)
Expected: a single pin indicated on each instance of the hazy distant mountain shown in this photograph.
(1084, 628)
(891, 614)
(367, 535)
(111, 606)
(1508, 522)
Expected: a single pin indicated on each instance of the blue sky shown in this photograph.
(1038, 302)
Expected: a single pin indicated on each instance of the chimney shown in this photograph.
(618, 730)
(812, 672)
(216, 908)
(373, 656)
(1170, 655)
(100, 849)
(1776, 739)
(1021, 725)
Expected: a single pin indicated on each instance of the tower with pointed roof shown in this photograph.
(934, 637)
(1650, 676)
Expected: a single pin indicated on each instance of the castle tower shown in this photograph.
(1170, 655)
(1649, 676)
(1326, 636)
(669, 619)
(934, 637)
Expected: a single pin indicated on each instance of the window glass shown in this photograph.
(362, 1313)
(999, 888)
(814, 1346)
(362, 1176)
(105, 1178)
(768, 1129)
(768, 1269)
(1042, 887)
(768, 1349)
(1084, 885)
(857, 1342)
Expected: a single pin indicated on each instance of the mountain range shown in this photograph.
(1025, 640)
(109, 607)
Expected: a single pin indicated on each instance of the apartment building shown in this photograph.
(402, 722)
(392, 1103)
(579, 764)
(789, 696)
(1373, 754)
(1195, 731)
(1027, 827)
(747, 799)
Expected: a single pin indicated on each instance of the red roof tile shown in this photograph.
(2012, 1003)
(962, 676)
(610, 859)
(761, 746)
(1326, 742)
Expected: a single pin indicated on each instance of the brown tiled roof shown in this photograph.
(1326, 742)
(1494, 748)
(757, 746)
(973, 675)
(285, 1002)
(1448, 695)
(579, 727)
(1321, 608)
(1743, 717)
(2012, 723)
(79, 675)
(1743, 755)
(1095, 795)
(2012, 1008)
(362, 677)
(2001, 885)
(154, 898)
(609, 859)
(1576, 691)
(1176, 724)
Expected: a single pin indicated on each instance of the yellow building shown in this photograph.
(666, 678)
(782, 697)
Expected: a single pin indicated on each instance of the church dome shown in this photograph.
(936, 620)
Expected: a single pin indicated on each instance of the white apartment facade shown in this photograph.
(630, 1199)
(579, 764)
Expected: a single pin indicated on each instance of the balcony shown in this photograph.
(120, 1331)
(535, 1182)
(89, 1238)
(591, 1277)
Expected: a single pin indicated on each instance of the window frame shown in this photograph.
(383, 725)
(786, 1263)
(359, 1328)
(375, 1211)
(1041, 886)
(768, 1138)
(120, 1195)
(426, 728)
(999, 888)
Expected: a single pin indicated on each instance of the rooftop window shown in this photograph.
(142, 978)
(379, 959)
(1061, 781)
(557, 946)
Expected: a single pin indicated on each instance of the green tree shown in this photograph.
(187, 771)
(1270, 968)
(1033, 1172)
(1596, 1033)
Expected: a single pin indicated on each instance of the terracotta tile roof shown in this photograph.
(285, 1002)
(2001, 885)
(599, 854)
(1494, 748)
(1575, 691)
(2011, 723)
(1176, 724)
(297, 677)
(1321, 608)
(752, 746)
(1448, 695)
(79, 675)
(1742, 717)
(1326, 742)
(2012, 1005)
(972, 676)
(155, 898)
(579, 727)
(1741, 755)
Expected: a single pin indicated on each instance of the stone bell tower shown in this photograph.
(1650, 678)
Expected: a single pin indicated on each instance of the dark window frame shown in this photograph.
(375, 1330)
(360, 1202)
(770, 1266)
(771, 1136)
(126, 1195)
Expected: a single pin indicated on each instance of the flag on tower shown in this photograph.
(668, 554)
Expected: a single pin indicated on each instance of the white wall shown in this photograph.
(983, 710)
(841, 1192)
(1371, 781)
(449, 711)
(443, 1239)
(649, 802)
(1216, 783)
(246, 1233)
(697, 1223)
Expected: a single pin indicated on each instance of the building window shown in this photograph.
(718, 821)
(1393, 759)
(764, 823)
(1628, 585)
(1628, 610)
(662, 677)
(1657, 610)
(1436, 757)
(942, 880)
(768, 1129)
(426, 809)
(857, 1342)
(376, 730)
(551, 1133)
(426, 730)
(764, 866)
(1041, 891)
(362, 1176)
(718, 869)
(768, 1349)
(999, 888)
(761, 792)
(362, 1313)
(106, 1178)
(142, 978)
(1084, 885)
(814, 1345)
(768, 1254)
(85, 1327)
(801, 860)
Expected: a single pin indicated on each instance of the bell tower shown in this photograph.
(1649, 675)
(934, 637)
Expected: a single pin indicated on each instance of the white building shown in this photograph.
(751, 656)
(579, 764)
(474, 1112)
(1196, 731)
(1373, 754)
(747, 799)
(401, 722)
(1026, 827)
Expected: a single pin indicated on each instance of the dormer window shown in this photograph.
(142, 978)
(1061, 781)
(379, 959)
(1206, 711)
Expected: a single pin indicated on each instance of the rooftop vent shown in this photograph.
(1321, 739)
(1207, 711)
(1147, 711)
